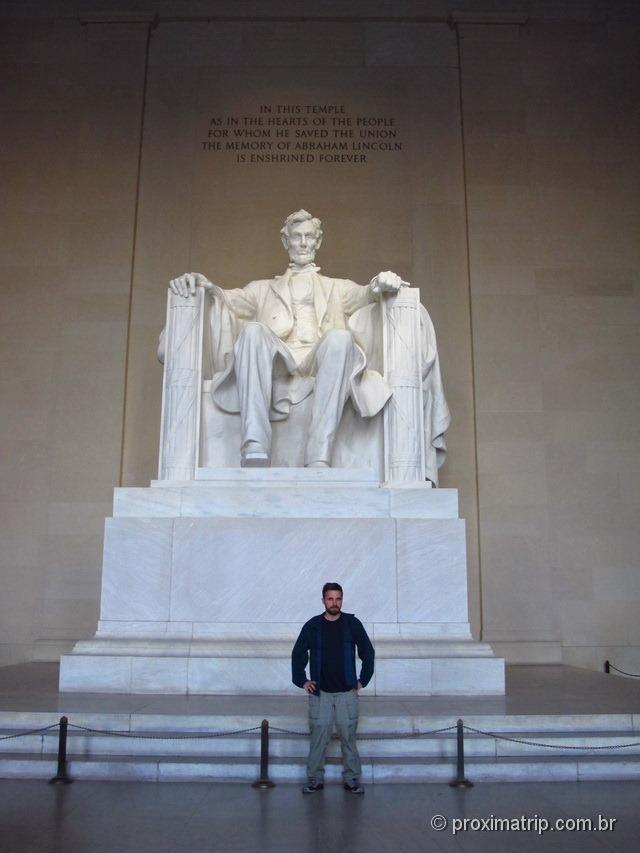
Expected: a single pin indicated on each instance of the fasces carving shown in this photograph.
(298, 348)
(403, 414)
(182, 341)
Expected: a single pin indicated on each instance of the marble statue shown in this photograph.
(275, 342)
(301, 368)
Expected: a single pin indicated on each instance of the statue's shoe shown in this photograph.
(254, 455)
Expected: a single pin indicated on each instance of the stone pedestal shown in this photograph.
(207, 582)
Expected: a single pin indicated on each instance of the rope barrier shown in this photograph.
(290, 732)
(141, 736)
(609, 666)
(549, 745)
(382, 736)
(31, 732)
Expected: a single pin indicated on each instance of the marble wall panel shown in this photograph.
(254, 569)
(159, 675)
(299, 45)
(147, 503)
(398, 676)
(240, 675)
(136, 573)
(195, 43)
(70, 136)
(571, 260)
(18, 520)
(113, 675)
(517, 586)
(410, 45)
(432, 571)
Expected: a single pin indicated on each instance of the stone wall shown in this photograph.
(70, 109)
(551, 143)
(513, 205)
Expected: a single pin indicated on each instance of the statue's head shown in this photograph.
(301, 236)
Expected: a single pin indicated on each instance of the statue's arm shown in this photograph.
(356, 296)
(241, 301)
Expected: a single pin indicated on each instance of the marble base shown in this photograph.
(219, 673)
(206, 584)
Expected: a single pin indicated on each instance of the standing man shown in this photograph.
(330, 641)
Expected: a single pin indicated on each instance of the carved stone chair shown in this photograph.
(196, 434)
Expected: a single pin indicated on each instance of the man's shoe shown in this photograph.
(354, 789)
(312, 787)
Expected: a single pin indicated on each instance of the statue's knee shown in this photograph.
(338, 340)
(253, 333)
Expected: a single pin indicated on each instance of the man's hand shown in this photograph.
(309, 686)
(387, 282)
(358, 686)
(185, 285)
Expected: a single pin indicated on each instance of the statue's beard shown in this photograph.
(303, 257)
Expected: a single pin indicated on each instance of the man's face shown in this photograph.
(333, 602)
(302, 241)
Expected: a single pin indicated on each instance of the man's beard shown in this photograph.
(332, 610)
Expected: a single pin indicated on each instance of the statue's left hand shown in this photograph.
(387, 282)
(185, 285)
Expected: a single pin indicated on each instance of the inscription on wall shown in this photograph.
(302, 133)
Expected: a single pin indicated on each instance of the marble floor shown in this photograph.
(97, 817)
(529, 690)
(116, 817)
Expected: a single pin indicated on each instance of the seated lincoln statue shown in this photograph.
(300, 336)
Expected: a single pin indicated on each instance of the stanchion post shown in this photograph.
(61, 774)
(607, 667)
(460, 781)
(263, 781)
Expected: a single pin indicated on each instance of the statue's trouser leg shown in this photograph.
(334, 362)
(254, 352)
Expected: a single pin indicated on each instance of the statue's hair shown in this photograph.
(301, 216)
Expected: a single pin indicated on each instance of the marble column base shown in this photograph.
(264, 667)
(205, 585)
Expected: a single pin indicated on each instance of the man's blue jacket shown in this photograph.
(309, 645)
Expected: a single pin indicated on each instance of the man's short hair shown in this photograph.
(301, 216)
(331, 587)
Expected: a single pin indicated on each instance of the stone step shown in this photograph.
(443, 746)
(381, 771)
(284, 500)
(374, 719)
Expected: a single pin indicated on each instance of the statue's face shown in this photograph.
(302, 241)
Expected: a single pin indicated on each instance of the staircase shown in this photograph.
(163, 752)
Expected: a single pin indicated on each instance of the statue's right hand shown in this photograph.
(185, 285)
